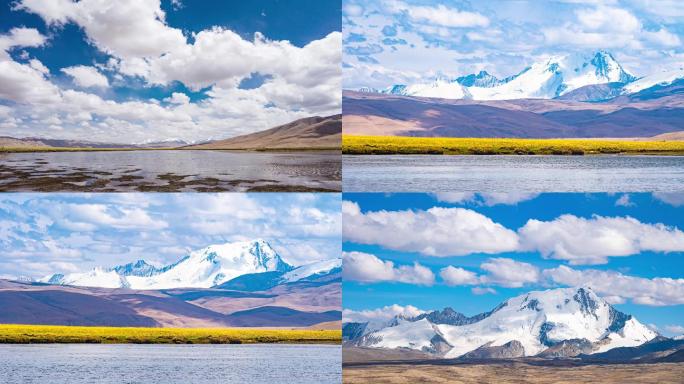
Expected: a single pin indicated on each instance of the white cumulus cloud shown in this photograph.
(592, 241)
(433, 232)
(367, 268)
(85, 76)
(657, 291)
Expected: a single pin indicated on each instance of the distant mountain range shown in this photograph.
(232, 284)
(569, 96)
(307, 133)
(554, 77)
(557, 323)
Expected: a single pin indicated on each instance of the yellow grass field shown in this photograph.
(389, 145)
(25, 334)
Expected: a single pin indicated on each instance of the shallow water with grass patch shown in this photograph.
(170, 171)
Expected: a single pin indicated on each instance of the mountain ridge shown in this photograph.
(561, 322)
(208, 267)
(583, 75)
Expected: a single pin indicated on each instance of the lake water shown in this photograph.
(438, 173)
(170, 364)
(170, 171)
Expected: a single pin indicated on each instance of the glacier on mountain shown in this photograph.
(547, 79)
(535, 321)
(203, 268)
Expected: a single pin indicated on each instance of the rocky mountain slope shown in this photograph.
(561, 322)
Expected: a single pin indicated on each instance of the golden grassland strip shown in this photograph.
(28, 334)
(391, 145)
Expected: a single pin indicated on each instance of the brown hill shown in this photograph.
(11, 142)
(375, 114)
(27, 303)
(307, 133)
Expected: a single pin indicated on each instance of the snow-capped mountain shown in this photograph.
(318, 268)
(662, 78)
(547, 79)
(203, 268)
(560, 322)
(316, 271)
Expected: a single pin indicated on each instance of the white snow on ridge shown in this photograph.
(318, 267)
(659, 78)
(97, 277)
(406, 334)
(546, 79)
(203, 268)
(534, 319)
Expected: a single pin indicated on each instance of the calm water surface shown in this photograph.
(426, 173)
(170, 171)
(170, 364)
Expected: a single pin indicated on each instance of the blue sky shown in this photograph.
(149, 70)
(402, 41)
(41, 234)
(471, 252)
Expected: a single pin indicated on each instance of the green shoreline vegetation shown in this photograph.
(397, 145)
(42, 334)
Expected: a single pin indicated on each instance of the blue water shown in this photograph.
(428, 173)
(170, 364)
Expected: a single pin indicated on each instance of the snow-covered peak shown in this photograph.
(440, 88)
(317, 268)
(138, 268)
(481, 79)
(257, 254)
(203, 268)
(535, 321)
(545, 79)
(665, 77)
(97, 277)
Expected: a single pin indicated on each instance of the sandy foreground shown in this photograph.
(516, 373)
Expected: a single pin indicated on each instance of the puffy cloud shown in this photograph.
(441, 15)
(367, 268)
(380, 314)
(592, 241)
(21, 37)
(502, 272)
(85, 76)
(487, 199)
(458, 276)
(675, 199)
(608, 27)
(624, 201)
(99, 215)
(128, 28)
(509, 273)
(676, 329)
(90, 230)
(23, 82)
(656, 291)
(301, 81)
(178, 98)
(434, 232)
(483, 291)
